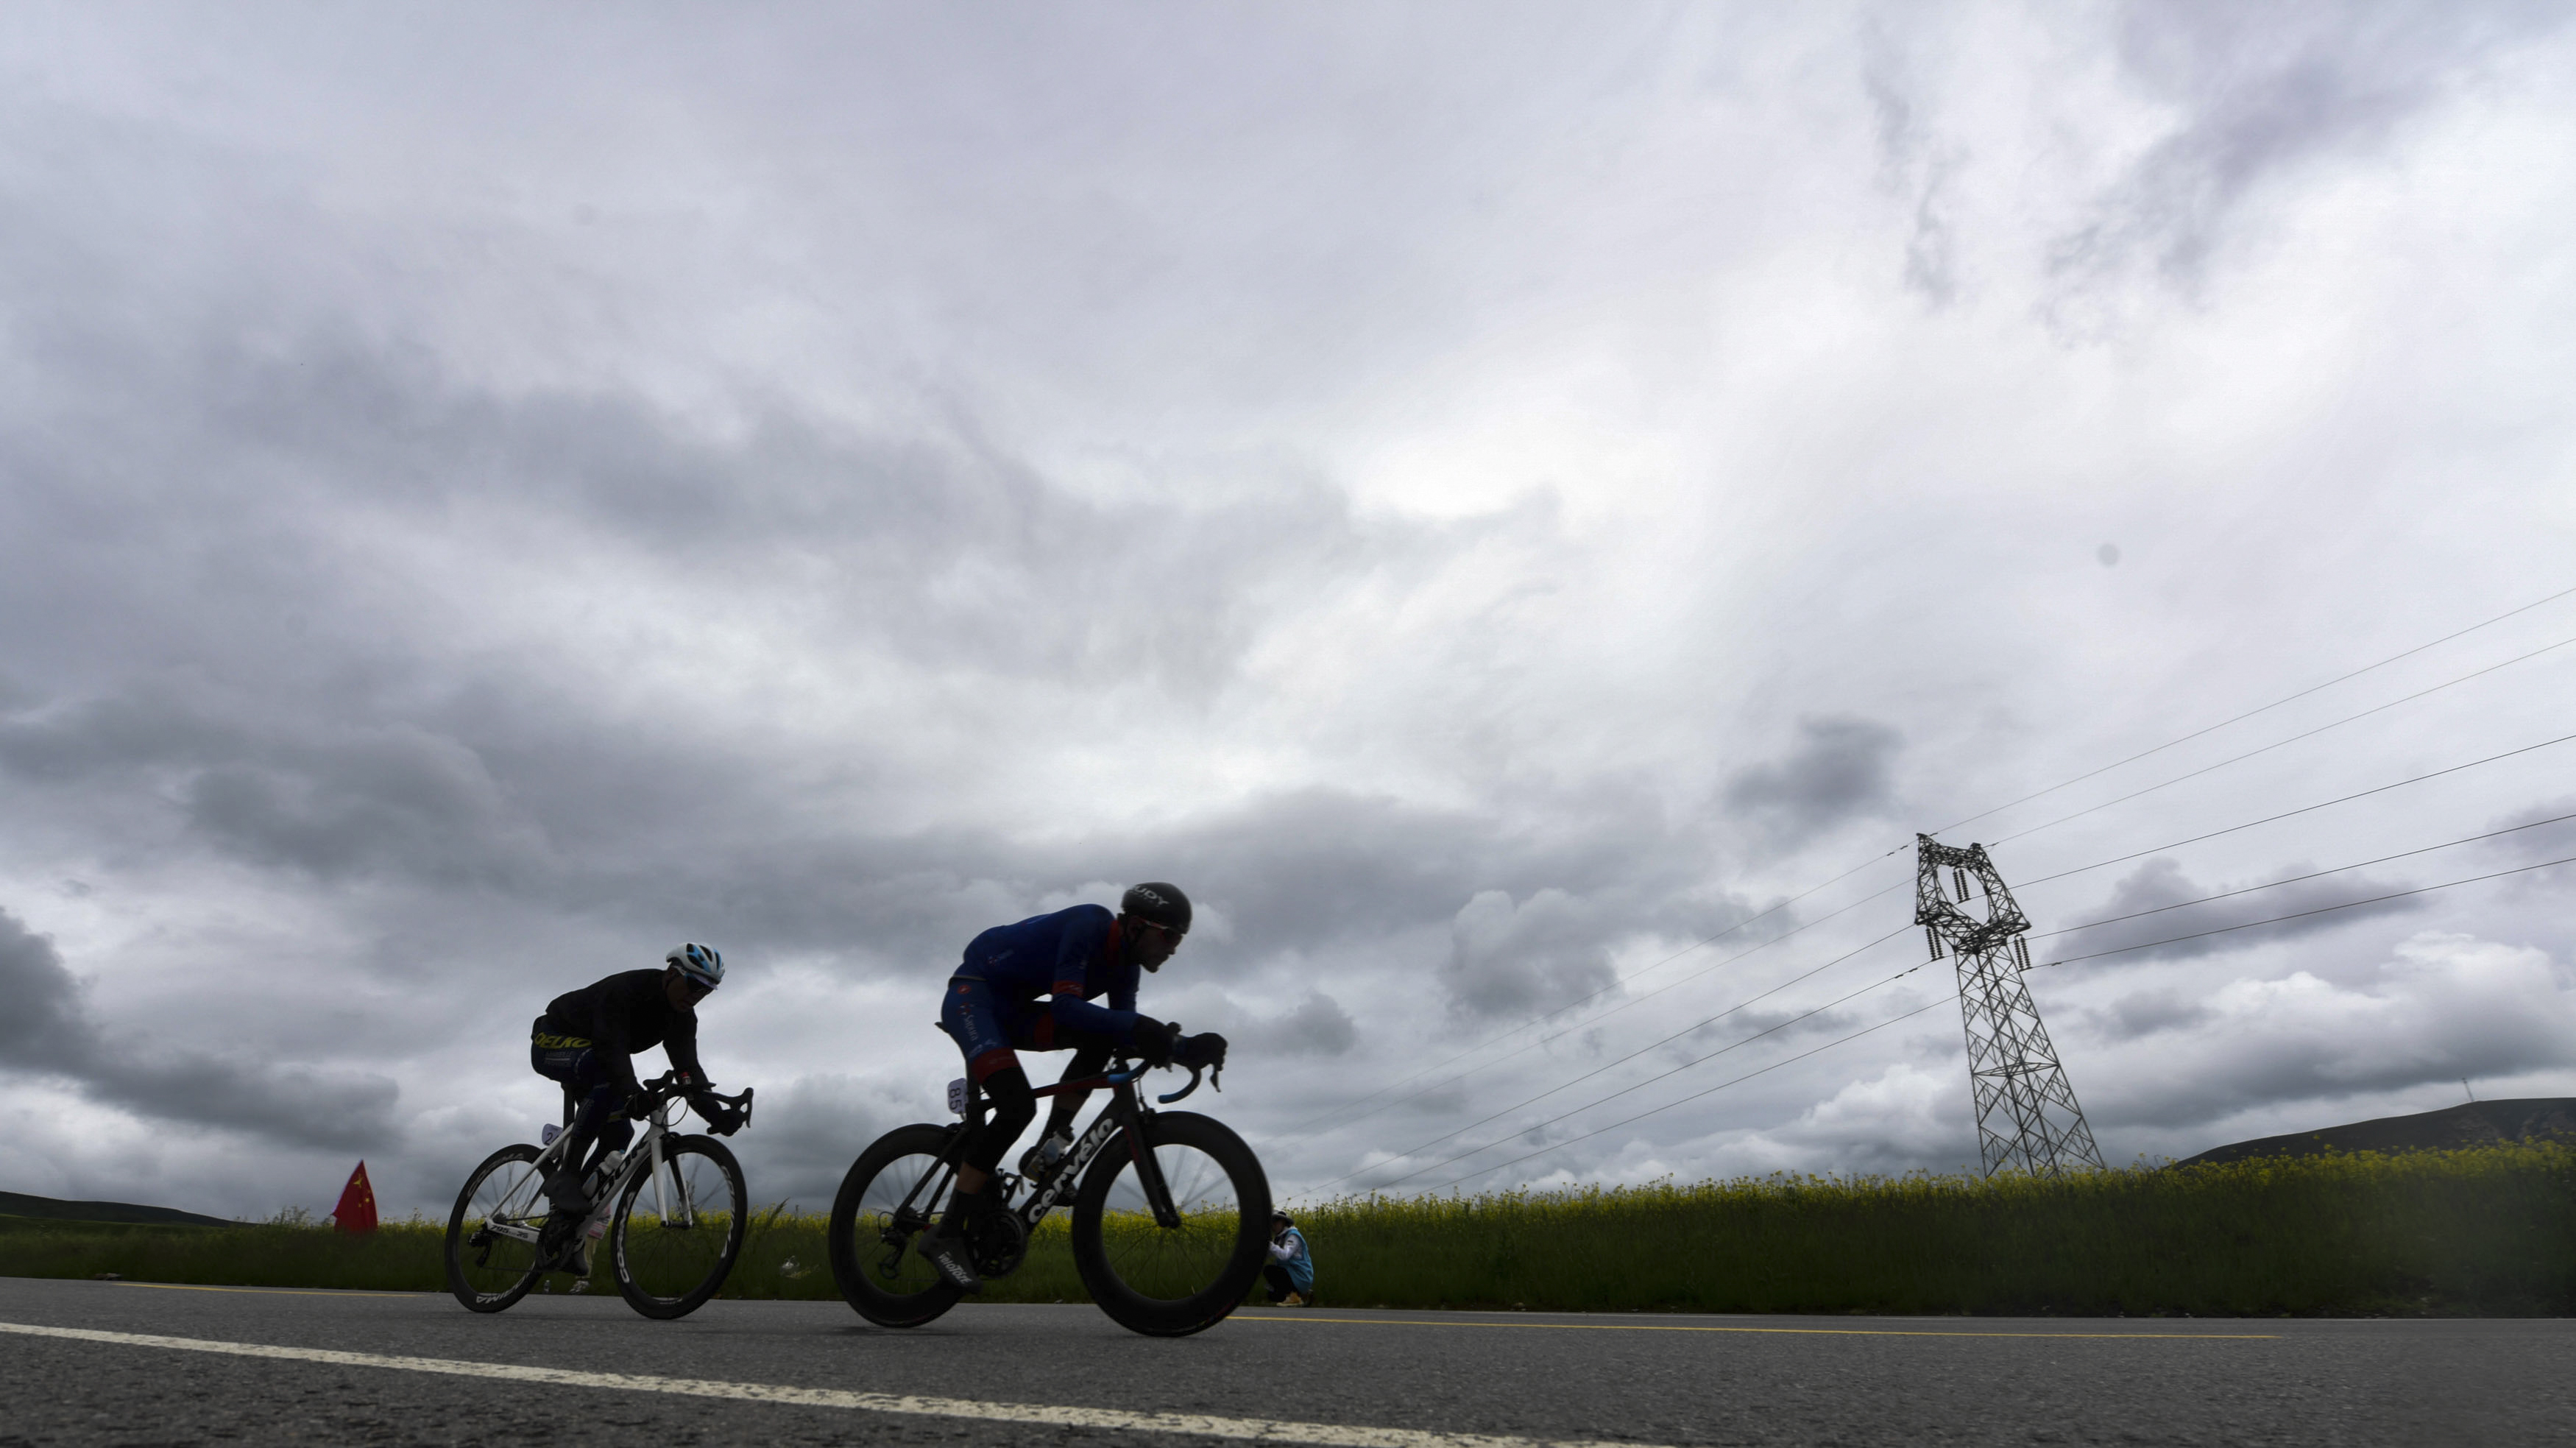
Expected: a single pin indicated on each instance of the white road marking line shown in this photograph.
(1257, 1430)
(272, 1291)
(1786, 1331)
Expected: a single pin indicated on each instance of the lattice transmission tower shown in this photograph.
(2027, 1119)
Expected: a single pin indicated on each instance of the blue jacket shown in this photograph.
(1288, 1249)
(1071, 957)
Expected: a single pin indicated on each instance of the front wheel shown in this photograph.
(893, 1193)
(492, 1233)
(1173, 1280)
(677, 1230)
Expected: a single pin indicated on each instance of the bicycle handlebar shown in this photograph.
(1184, 1091)
(669, 1085)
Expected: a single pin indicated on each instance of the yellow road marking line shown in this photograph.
(1695, 1327)
(272, 1291)
(1263, 1430)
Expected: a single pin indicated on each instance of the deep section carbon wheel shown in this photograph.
(1173, 1280)
(873, 1263)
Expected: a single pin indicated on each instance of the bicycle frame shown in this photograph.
(1126, 1112)
(644, 1155)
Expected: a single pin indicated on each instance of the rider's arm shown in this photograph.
(1081, 941)
(681, 1046)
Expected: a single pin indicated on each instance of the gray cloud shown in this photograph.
(1317, 1027)
(1918, 166)
(49, 1032)
(2144, 1013)
(2444, 1007)
(1842, 769)
(449, 551)
(44, 1028)
(2159, 885)
(2265, 91)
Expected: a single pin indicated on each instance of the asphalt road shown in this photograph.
(1004, 1374)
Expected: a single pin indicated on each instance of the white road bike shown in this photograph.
(672, 1211)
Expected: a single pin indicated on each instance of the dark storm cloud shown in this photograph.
(2264, 91)
(43, 1028)
(946, 551)
(2160, 886)
(806, 1132)
(212, 655)
(47, 1030)
(1841, 769)
(331, 801)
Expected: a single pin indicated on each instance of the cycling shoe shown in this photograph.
(954, 1259)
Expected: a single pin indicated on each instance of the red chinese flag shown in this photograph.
(357, 1209)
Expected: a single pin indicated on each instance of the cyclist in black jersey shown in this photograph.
(587, 1039)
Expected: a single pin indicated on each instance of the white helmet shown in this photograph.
(699, 963)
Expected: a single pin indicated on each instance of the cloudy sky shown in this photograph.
(1485, 497)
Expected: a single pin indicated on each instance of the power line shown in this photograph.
(2063, 874)
(2295, 879)
(1603, 1016)
(2304, 914)
(2077, 779)
(1309, 1126)
(1625, 1121)
(2303, 809)
(1313, 1123)
(2293, 739)
(1658, 1076)
(2250, 713)
(1694, 1096)
(1906, 929)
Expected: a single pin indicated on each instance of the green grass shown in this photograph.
(2487, 1231)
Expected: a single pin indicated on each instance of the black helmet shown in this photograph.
(1157, 904)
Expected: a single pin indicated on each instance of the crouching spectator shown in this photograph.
(1291, 1269)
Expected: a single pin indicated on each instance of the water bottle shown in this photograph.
(606, 1175)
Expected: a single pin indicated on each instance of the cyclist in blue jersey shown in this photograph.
(993, 1011)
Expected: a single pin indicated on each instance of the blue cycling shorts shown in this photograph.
(992, 1030)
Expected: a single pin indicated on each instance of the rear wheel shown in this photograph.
(676, 1231)
(873, 1263)
(1170, 1281)
(492, 1232)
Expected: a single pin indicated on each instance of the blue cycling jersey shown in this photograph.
(1071, 957)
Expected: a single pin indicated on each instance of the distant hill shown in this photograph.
(2472, 1123)
(19, 1204)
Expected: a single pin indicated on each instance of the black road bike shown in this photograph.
(672, 1210)
(1171, 1212)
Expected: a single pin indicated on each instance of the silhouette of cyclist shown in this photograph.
(993, 1011)
(587, 1039)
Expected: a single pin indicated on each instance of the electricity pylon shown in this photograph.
(2027, 1119)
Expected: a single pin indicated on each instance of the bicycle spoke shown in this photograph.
(677, 1230)
(884, 1227)
(1172, 1262)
